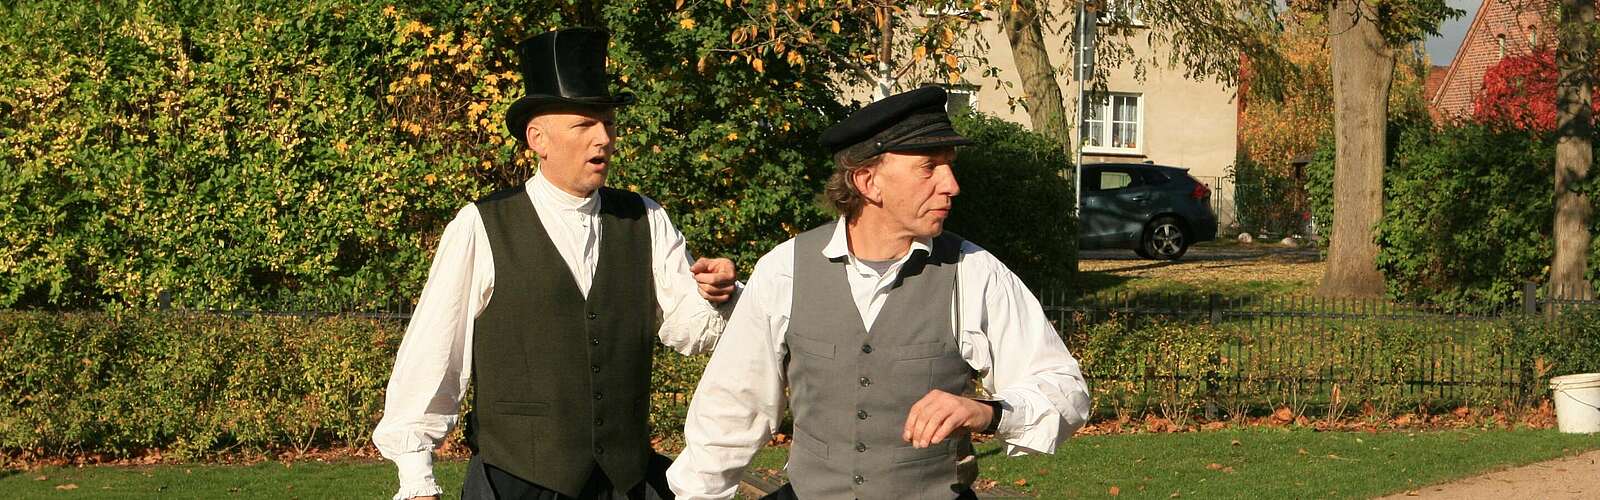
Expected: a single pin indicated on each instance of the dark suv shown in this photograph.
(1157, 211)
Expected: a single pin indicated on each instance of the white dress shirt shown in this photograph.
(1000, 327)
(434, 363)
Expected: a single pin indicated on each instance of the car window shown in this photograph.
(1155, 177)
(1111, 180)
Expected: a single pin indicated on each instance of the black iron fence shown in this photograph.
(1177, 351)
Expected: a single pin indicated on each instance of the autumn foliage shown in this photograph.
(1520, 92)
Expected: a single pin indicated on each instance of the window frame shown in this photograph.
(1107, 121)
(1133, 8)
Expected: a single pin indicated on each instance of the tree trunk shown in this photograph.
(1363, 71)
(1041, 93)
(1574, 149)
(885, 80)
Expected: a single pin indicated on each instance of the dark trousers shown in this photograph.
(487, 482)
(787, 493)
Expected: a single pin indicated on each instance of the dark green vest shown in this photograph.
(562, 384)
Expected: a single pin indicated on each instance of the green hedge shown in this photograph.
(305, 155)
(123, 383)
(1468, 211)
(193, 385)
(1016, 199)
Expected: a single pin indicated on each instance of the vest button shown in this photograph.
(599, 422)
(594, 341)
(866, 348)
(860, 479)
(599, 451)
(593, 315)
(861, 447)
(597, 395)
(865, 381)
(861, 414)
(594, 368)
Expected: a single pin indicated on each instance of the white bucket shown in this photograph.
(1577, 400)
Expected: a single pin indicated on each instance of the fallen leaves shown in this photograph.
(1114, 491)
(67, 487)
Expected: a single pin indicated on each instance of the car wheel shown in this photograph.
(1164, 239)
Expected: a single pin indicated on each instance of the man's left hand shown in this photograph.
(940, 414)
(715, 277)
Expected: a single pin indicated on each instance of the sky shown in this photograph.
(1442, 48)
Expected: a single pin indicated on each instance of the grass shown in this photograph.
(1232, 270)
(1240, 463)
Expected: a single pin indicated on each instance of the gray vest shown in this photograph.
(852, 388)
(562, 382)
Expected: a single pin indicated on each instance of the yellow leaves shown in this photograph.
(755, 62)
(430, 179)
(833, 26)
(686, 23)
(678, 5)
(477, 108)
(414, 128)
(424, 78)
(388, 11)
(951, 62)
(920, 53)
(491, 79)
(341, 146)
(795, 59)
(701, 65)
(732, 136)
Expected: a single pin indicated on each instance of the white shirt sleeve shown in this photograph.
(433, 366)
(689, 324)
(740, 399)
(1005, 334)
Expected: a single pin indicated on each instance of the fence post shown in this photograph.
(1215, 308)
(1530, 298)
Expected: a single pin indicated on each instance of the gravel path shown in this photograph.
(1570, 477)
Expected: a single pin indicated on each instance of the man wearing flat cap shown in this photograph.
(545, 299)
(877, 325)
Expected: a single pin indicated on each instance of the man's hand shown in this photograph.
(715, 277)
(429, 497)
(940, 414)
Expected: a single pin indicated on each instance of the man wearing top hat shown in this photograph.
(544, 298)
(877, 325)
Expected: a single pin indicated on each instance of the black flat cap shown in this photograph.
(907, 121)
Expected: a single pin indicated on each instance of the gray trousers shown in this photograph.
(487, 482)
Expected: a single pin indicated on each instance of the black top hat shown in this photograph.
(562, 67)
(908, 121)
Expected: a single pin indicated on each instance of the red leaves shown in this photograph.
(1520, 92)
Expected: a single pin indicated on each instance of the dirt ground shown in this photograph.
(1571, 477)
(1213, 263)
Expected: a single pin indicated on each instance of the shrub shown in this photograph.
(122, 383)
(306, 155)
(1468, 215)
(1016, 199)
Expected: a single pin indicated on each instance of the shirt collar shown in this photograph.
(839, 245)
(540, 188)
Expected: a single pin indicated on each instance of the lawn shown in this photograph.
(1260, 462)
(1230, 269)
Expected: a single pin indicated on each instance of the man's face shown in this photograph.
(574, 147)
(915, 190)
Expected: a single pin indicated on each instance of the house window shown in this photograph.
(1501, 38)
(1113, 123)
(1115, 11)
